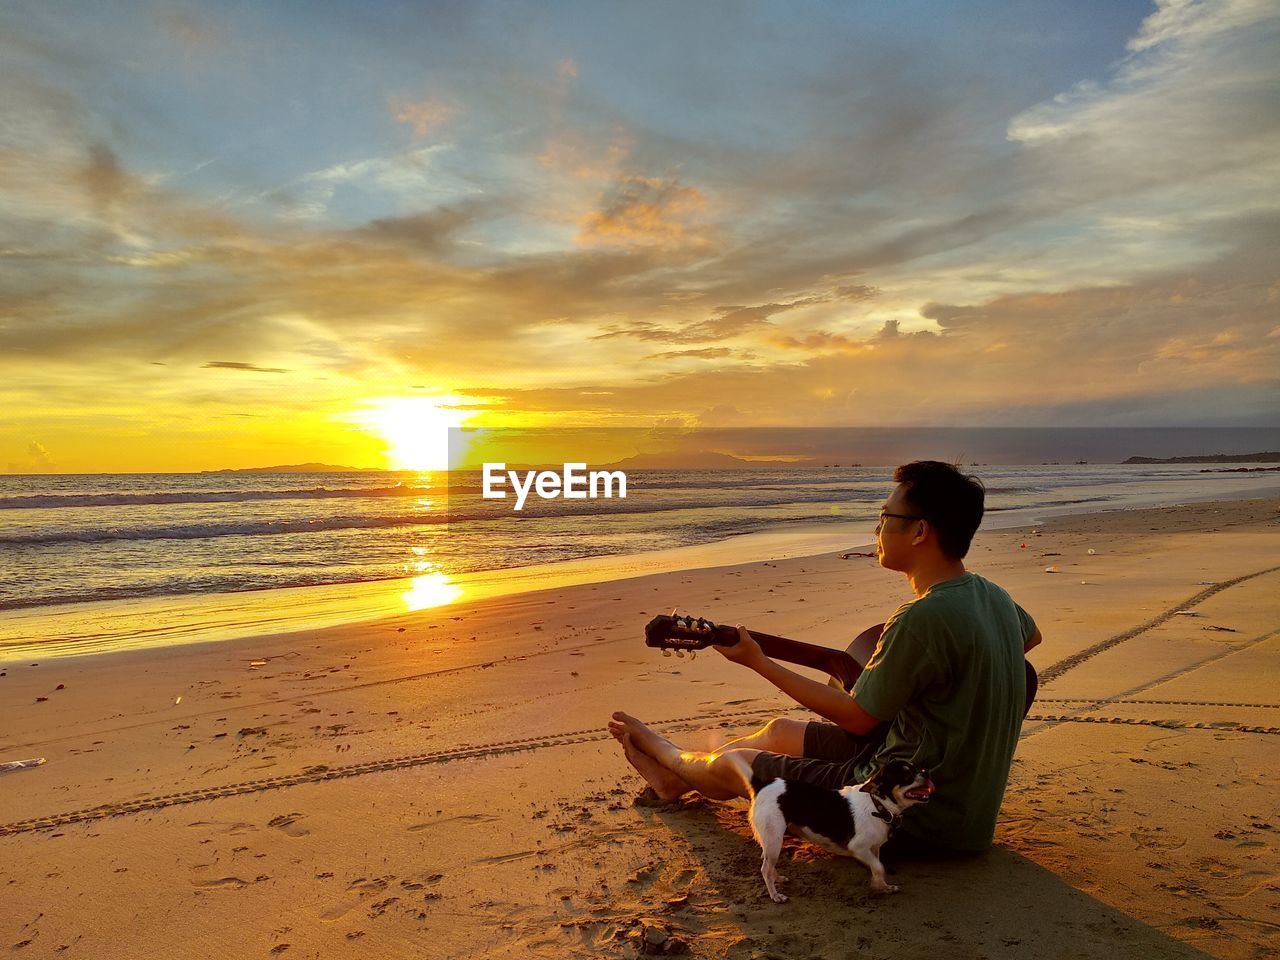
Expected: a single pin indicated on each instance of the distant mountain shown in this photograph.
(707, 460)
(297, 468)
(1273, 457)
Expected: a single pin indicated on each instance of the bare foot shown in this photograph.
(642, 737)
(667, 785)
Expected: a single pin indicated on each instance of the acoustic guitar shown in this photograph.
(690, 634)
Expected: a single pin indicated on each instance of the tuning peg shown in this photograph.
(693, 654)
(666, 653)
(680, 653)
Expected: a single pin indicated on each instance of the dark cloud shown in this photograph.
(237, 365)
(725, 323)
(951, 316)
(856, 292)
(431, 231)
(103, 177)
(649, 211)
(821, 341)
(706, 353)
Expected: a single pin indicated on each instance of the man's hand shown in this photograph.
(746, 651)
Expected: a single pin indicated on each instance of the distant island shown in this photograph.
(297, 468)
(702, 460)
(1213, 458)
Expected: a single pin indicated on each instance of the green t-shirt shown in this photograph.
(948, 674)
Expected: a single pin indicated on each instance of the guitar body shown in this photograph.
(844, 666)
(860, 650)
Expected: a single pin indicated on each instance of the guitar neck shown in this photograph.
(838, 664)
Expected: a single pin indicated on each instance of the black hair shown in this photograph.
(952, 502)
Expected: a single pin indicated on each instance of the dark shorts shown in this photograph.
(831, 756)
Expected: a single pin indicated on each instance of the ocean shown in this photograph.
(86, 539)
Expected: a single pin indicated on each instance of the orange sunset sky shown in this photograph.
(238, 235)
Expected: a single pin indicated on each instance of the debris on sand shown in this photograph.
(21, 764)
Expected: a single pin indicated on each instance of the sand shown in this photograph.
(440, 784)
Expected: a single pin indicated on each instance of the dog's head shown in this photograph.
(901, 782)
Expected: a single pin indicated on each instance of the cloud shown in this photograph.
(1098, 252)
(584, 158)
(237, 365)
(594, 152)
(38, 455)
(409, 177)
(1185, 125)
(724, 323)
(706, 353)
(822, 341)
(856, 292)
(826, 341)
(1174, 349)
(104, 180)
(195, 34)
(1194, 21)
(648, 211)
(430, 231)
(423, 115)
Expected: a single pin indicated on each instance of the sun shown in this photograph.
(415, 429)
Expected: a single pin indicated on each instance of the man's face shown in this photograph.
(898, 526)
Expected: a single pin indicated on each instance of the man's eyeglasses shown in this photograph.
(900, 516)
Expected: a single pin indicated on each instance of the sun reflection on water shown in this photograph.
(433, 589)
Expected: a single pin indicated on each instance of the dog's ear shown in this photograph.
(873, 782)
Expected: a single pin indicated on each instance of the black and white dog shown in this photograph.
(851, 822)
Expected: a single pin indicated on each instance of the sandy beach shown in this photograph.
(441, 784)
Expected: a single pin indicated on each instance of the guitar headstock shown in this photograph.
(669, 632)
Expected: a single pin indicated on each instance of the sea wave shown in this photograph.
(63, 500)
(200, 531)
(552, 511)
(294, 575)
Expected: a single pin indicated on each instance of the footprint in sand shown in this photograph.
(287, 822)
(225, 827)
(1153, 840)
(361, 888)
(644, 876)
(338, 911)
(222, 883)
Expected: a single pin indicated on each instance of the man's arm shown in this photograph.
(1032, 641)
(824, 700)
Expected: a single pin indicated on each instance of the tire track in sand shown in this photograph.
(324, 774)
(1056, 670)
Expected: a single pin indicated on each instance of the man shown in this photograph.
(945, 688)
